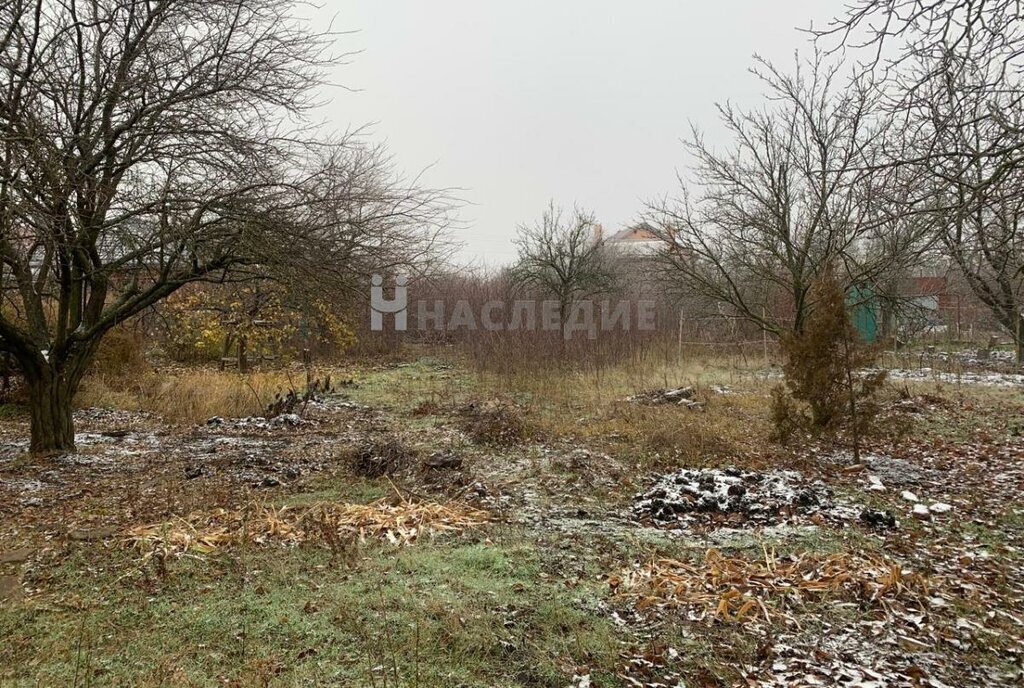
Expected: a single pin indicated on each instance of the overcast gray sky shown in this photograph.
(580, 101)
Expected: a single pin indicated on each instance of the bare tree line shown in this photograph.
(146, 145)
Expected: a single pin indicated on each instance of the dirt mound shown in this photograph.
(737, 497)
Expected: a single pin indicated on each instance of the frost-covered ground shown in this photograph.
(927, 374)
(630, 544)
(967, 377)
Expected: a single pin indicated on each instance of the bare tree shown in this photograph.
(563, 257)
(145, 145)
(951, 72)
(796, 195)
(356, 216)
(975, 201)
(925, 29)
(910, 47)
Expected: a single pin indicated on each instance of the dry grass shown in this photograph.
(741, 590)
(590, 405)
(188, 396)
(727, 429)
(121, 354)
(400, 523)
(596, 386)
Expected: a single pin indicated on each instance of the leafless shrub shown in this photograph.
(380, 458)
(292, 401)
(427, 407)
(495, 423)
(515, 347)
(122, 353)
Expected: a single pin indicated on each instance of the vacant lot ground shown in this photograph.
(421, 525)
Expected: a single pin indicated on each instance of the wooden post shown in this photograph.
(243, 362)
(307, 360)
(679, 340)
(854, 422)
(228, 337)
(1017, 343)
(764, 333)
(958, 333)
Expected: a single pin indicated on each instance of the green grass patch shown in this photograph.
(435, 614)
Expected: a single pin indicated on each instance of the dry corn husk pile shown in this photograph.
(742, 590)
(400, 523)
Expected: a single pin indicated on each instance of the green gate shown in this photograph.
(864, 311)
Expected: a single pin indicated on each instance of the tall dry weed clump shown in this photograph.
(826, 386)
(496, 424)
(186, 396)
(122, 353)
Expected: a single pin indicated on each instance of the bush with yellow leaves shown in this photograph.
(206, 322)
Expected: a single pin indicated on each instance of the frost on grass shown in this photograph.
(989, 379)
(981, 378)
(679, 396)
(978, 358)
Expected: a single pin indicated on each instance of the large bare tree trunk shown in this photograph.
(50, 395)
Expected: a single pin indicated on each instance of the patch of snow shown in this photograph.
(682, 396)
(889, 469)
(23, 485)
(991, 379)
(976, 357)
(87, 438)
(966, 378)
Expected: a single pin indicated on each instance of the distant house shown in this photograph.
(636, 240)
(928, 297)
(937, 297)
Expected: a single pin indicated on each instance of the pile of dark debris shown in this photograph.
(734, 497)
